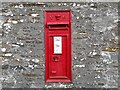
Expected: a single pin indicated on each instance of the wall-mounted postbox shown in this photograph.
(58, 45)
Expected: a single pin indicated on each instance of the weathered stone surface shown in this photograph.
(94, 45)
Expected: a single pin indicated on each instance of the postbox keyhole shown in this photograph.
(55, 58)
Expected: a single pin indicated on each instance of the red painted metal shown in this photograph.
(58, 65)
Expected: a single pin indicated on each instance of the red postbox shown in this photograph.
(58, 45)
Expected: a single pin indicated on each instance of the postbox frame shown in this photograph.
(46, 36)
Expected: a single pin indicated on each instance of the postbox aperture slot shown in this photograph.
(57, 26)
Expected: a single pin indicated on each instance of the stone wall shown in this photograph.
(94, 45)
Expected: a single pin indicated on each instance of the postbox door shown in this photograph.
(58, 57)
